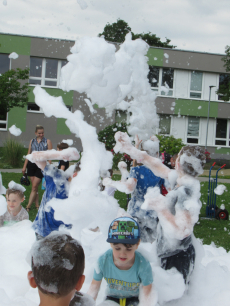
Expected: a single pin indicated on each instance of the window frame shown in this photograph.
(157, 89)
(192, 137)
(219, 95)
(196, 91)
(158, 129)
(43, 79)
(4, 122)
(227, 140)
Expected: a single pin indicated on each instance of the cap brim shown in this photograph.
(124, 241)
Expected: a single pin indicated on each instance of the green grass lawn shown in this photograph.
(206, 229)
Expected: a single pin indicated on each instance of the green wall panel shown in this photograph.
(17, 116)
(222, 150)
(155, 53)
(56, 92)
(62, 129)
(191, 108)
(19, 44)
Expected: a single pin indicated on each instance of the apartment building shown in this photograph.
(183, 107)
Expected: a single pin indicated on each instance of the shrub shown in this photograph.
(107, 137)
(13, 152)
(170, 144)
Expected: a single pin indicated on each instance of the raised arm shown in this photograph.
(94, 289)
(123, 145)
(127, 186)
(67, 154)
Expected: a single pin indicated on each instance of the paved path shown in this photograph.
(11, 170)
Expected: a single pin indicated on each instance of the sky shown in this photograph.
(198, 25)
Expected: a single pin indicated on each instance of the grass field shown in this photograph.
(209, 230)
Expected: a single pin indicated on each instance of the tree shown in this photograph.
(170, 144)
(224, 88)
(12, 92)
(117, 31)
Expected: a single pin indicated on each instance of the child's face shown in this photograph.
(13, 202)
(122, 255)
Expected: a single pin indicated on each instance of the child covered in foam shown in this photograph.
(58, 263)
(57, 186)
(15, 212)
(139, 180)
(179, 210)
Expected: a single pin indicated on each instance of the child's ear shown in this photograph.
(80, 282)
(31, 279)
(23, 199)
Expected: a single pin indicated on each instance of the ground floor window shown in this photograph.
(193, 130)
(222, 132)
(3, 120)
(164, 124)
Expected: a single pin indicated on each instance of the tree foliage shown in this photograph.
(107, 137)
(224, 89)
(12, 92)
(117, 31)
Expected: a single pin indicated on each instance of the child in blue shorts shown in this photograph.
(123, 268)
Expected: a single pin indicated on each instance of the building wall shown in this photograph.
(179, 106)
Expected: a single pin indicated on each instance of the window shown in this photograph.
(33, 107)
(45, 72)
(161, 77)
(3, 120)
(221, 132)
(196, 84)
(193, 130)
(164, 124)
(4, 62)
(224, 80)
(120, 116)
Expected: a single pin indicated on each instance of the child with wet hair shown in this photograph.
(15, 212)
(58, 263)
(179, 210)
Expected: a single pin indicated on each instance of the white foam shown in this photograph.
(15, 131)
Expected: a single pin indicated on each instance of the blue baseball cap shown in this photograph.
(124, 230)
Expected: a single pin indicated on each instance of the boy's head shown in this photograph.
(191, 160)
(14, 196)
(124, 238)
(124, 230)
(58, 263)
(61, 146)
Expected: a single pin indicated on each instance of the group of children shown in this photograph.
(58, 259)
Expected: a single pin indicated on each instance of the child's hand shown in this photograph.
(123, 142)
(137, 141)
(107, 181)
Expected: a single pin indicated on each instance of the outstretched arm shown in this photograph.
(127, 186)
(123, 145)
(94, 289)
(67, 154)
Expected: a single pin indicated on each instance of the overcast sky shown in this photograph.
(200, 25)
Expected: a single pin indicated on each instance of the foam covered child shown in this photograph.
(124, 269)
(58, 263)
(15, 212)
(179, 211)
